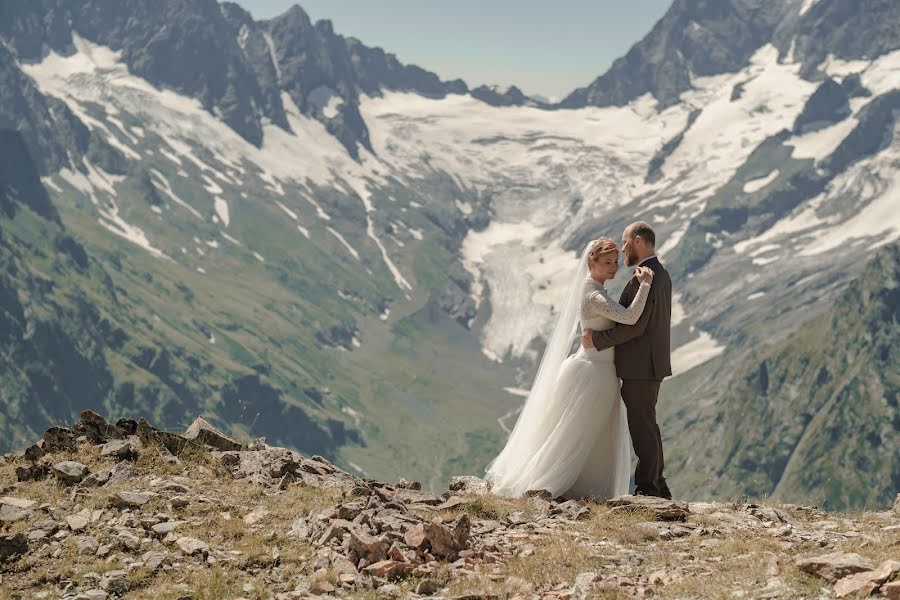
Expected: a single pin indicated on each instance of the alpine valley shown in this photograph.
(299, 237)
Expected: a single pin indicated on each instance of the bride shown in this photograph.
(571, 437)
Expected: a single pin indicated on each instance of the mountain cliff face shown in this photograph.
(302, 238)
(698, 38)
(236, 67)
(815, 415)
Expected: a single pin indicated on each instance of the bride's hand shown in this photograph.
(644, 274)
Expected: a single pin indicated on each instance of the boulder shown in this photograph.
(59, 439)
(203, 432)
(866, 582)
(69, 471)
(96, 428)
(834, 566)
(124, 500)
(191, 546)
(12, 546)
(127, 449)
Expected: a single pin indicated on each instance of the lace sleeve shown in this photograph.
(598, 303)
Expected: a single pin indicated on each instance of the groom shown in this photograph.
(642, 357)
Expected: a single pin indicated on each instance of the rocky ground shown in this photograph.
(125, 510)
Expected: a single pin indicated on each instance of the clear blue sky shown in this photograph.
(548, 48)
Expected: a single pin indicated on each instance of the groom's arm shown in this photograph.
(619, 334)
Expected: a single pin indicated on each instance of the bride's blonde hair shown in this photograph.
(600, 246)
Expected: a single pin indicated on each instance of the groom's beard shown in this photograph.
(631, 260)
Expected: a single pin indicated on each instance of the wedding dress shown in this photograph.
(571, 437)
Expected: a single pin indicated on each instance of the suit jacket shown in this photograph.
(642, 349)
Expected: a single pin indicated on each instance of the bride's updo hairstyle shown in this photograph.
(601, 246)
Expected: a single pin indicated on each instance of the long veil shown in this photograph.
(515, 454)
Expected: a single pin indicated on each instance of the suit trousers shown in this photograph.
(640, 396)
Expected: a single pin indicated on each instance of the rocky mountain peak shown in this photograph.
(697, 38)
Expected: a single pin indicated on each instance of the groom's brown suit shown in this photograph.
(642, 361)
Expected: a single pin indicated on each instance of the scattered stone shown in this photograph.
(127, 541)
(891, 590)
(389, 569)
(11, 514)
(12, 546)
(97, 479)
(662, 509)
(179, 501)
(87, 545)
(203, 432)
(33, 472)
(427, 587)
(93, 594)
(70, 471)
(132, 500)
(127, 449)
(115, 582)
(469, 484)
(866, 582)
(835, 566)
(256, 516)
(373, 549)
(79, 521)
(154, 560)
(321, 587)
(59, 439)
(121, 473)
(163, 529)
(96, 428)
(451, 503)
(191, 546)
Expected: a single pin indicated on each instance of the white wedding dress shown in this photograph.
(571, 437)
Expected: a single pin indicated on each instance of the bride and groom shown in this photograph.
(573, 437)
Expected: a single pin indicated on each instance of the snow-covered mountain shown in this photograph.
(301, 223)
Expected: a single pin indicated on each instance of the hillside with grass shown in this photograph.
(127, 510)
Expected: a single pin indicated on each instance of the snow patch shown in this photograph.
(755, 185)
(346, 244)
(695, 353)
(221, 207)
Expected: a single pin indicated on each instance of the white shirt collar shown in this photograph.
(646, 259)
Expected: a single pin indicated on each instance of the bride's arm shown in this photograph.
(600, 304)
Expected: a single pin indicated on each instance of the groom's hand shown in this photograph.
(586, 340)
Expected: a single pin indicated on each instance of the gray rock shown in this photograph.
(121, 473)
(835, 566)
(70, 471)
(127, 449)
(115, 582)
(18, 502)
(662, 510)
(154, 560)
(469, 484)
(132, 500)
(96, 428)
(12, 546)
(87, 545)
(203, 432)
(11, 514)
(93, 594)
(163, 529)
(127, 540)
(59, 439)
(79, 521)
(97, 479)
(191, 546)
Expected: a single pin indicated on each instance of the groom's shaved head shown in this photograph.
(642, 230)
